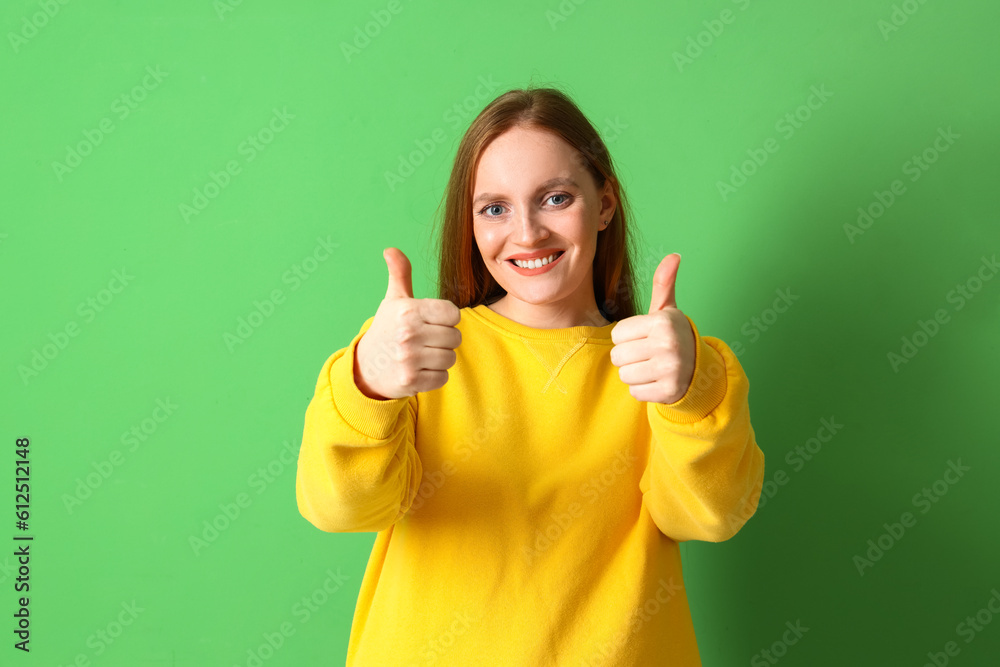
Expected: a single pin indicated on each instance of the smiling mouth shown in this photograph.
(536, 263)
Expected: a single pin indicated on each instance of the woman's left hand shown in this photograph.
(655, 353)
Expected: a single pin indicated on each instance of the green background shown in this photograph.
(675, 128)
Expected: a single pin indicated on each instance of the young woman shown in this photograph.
(529, 447)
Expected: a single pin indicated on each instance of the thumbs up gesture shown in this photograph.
(410, 343)
(655, 353)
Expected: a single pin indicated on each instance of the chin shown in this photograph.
(534, 299)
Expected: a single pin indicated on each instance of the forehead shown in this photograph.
(524, 155)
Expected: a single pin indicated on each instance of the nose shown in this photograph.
(528, 229)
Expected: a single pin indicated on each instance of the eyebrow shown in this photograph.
(560, 180)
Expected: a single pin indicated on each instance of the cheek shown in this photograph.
(488, 240)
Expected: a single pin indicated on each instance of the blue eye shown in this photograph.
(482, 211)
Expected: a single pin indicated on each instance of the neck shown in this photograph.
(548, 316)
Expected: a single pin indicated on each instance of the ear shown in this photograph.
(609, 203)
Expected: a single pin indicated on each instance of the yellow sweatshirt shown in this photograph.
(529, 511)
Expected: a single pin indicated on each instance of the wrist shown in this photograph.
(361, 383)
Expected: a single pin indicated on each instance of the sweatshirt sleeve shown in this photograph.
(358, 468)
(705, 471)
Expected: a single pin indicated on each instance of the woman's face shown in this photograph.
(520, 208)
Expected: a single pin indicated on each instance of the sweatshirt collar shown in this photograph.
(501, 323)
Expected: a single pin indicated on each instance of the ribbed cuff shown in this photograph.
(708, 386)
(371, 417)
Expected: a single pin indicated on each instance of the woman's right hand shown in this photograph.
(410, 343)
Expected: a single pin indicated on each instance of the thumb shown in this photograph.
(400, 282)
(663, 283)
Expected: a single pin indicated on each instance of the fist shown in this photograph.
(410, 343)
(655, 352)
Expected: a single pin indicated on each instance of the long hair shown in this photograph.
(462, 275)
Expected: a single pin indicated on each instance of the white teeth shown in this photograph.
(534, 263)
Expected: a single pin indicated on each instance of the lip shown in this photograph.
(538, 254)
(541, 269)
